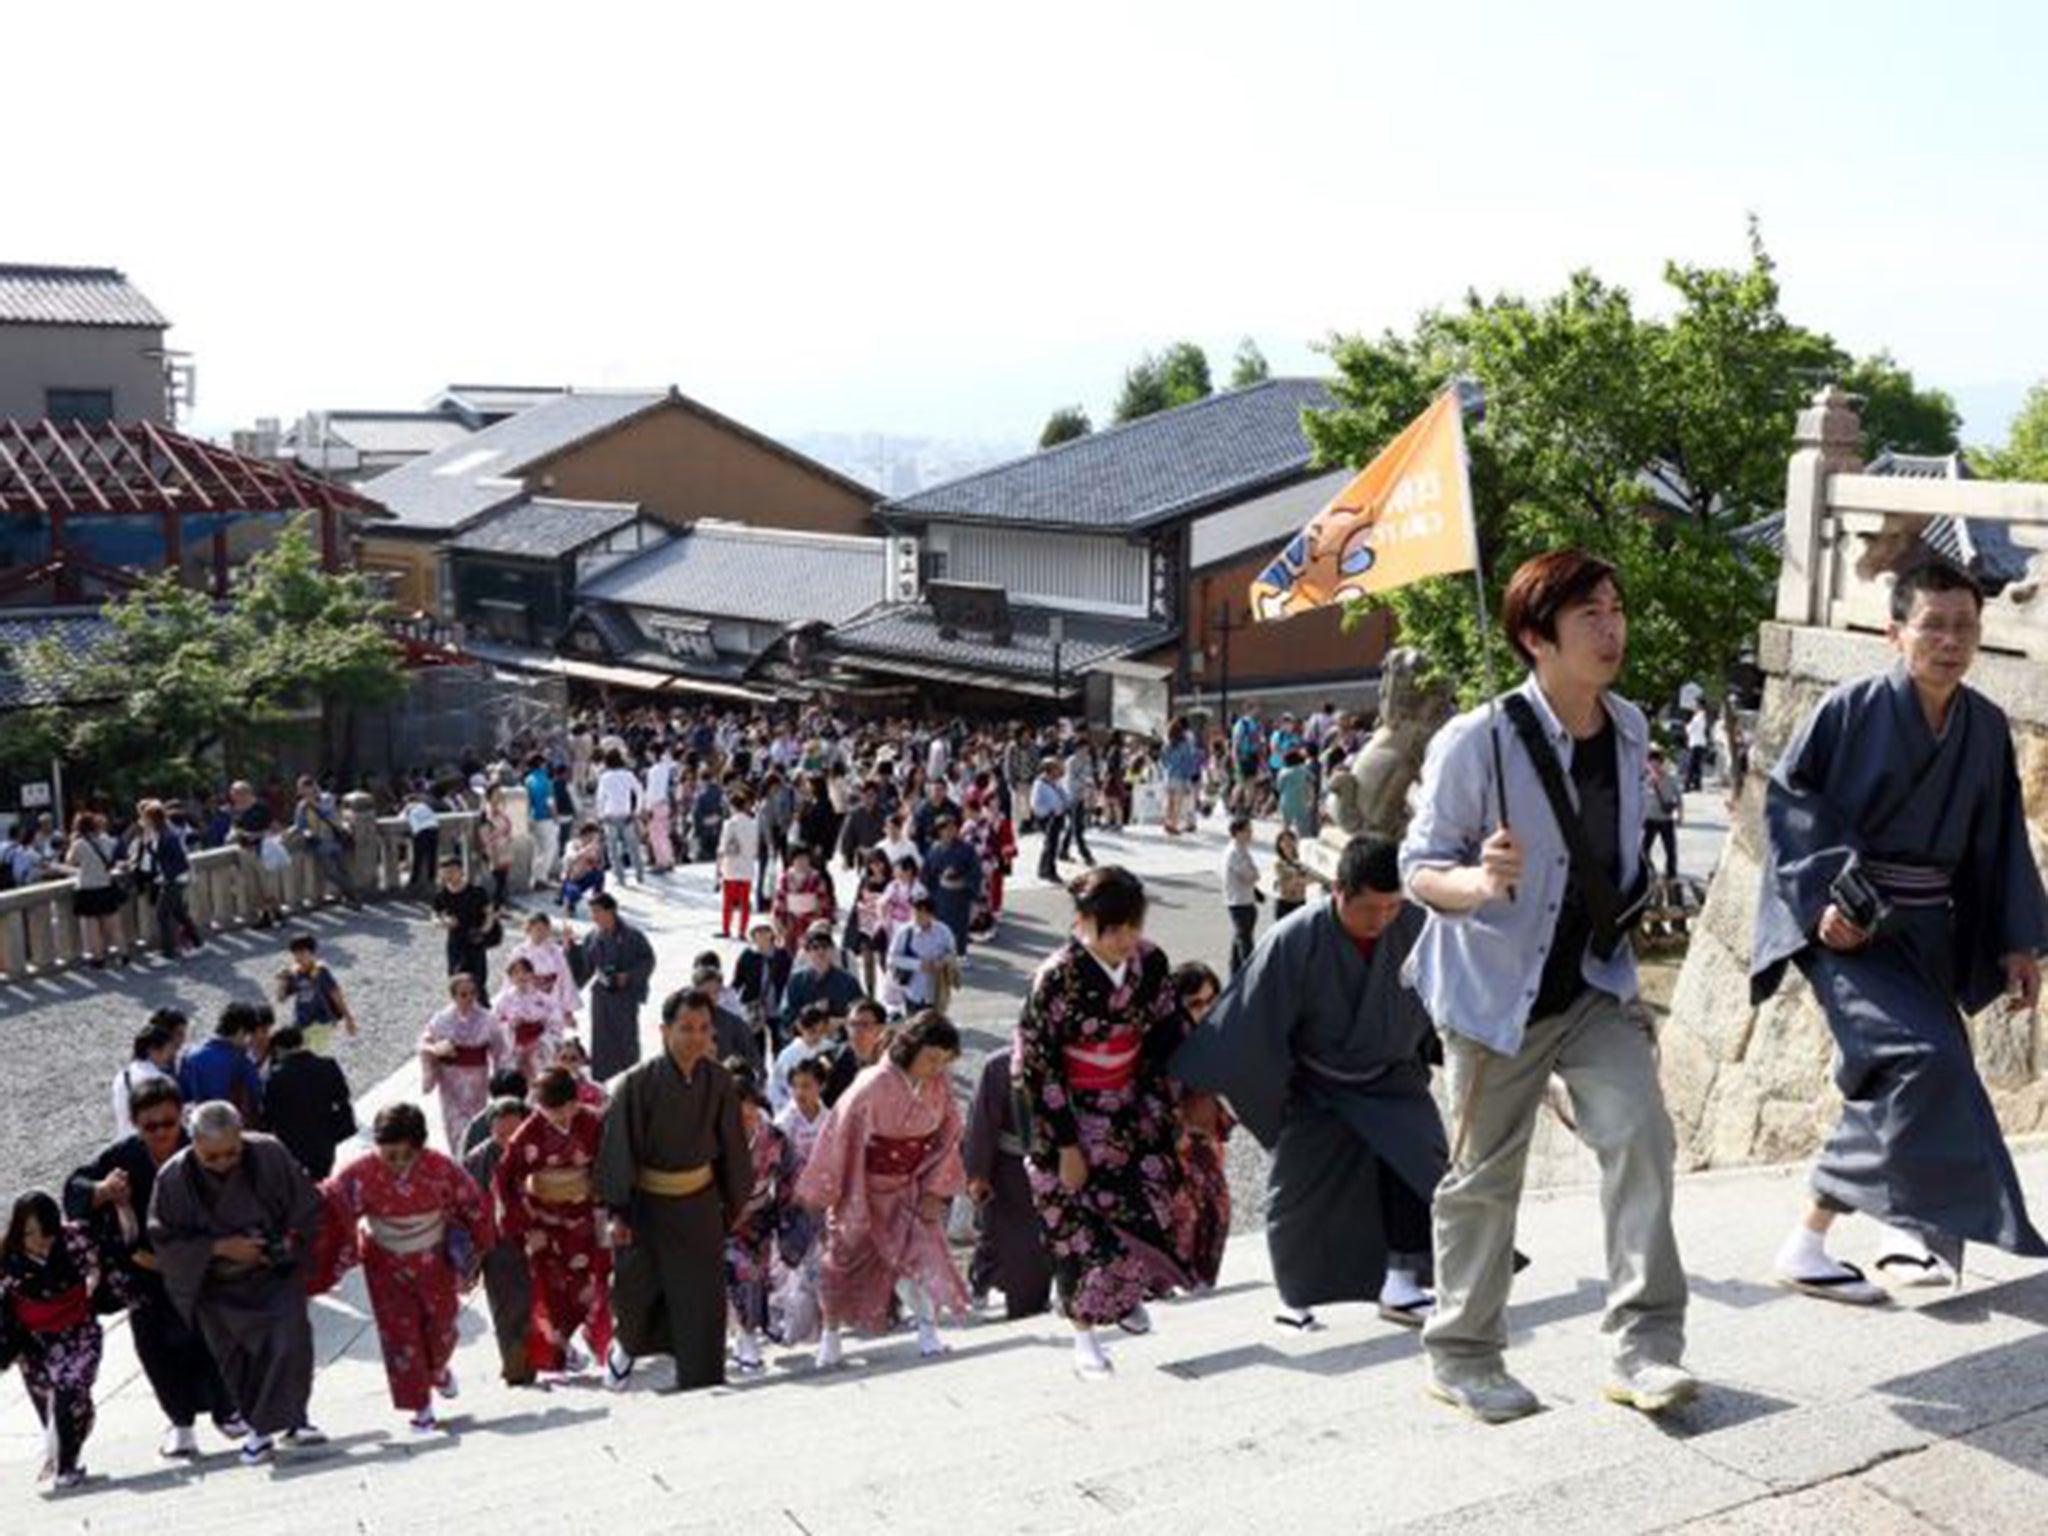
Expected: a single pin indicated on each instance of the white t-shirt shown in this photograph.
(618, 793)
(739, 847)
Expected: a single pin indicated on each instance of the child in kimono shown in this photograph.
(750, 1243)
(530, 1017)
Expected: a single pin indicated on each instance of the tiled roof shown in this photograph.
(544, 527)
(22, 685)
(73, 296)
(494, 400)
(469, 477)
(734, 571)
(391, 431)
(910, 633)
(1161, 466)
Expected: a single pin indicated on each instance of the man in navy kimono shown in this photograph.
(1899, 880)
(1324, 1055)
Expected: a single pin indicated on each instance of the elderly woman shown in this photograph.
(1092, 1046)
(422, 1229)
(885, 1170)
(48, 1271)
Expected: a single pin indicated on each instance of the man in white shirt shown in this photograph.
(619, 798)
(1049, 809)
(922, 960)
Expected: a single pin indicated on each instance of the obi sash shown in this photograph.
(559, 1186)
(55, 1314)
(896, 1156)
(528, 1032)
(1909, 885)
(468, 1056)
(408, 1234)
(674, 1182)
(1108, 1064)
(801, 903)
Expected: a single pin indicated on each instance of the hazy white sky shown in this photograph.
(949, 218)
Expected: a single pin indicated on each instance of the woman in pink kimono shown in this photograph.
(885, 1170)
(531, 1019)
(543, 951)
(460, 1048)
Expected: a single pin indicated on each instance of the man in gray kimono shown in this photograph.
(616, 962)
(1899, 880)
(234, 1220)
(1324, 1055)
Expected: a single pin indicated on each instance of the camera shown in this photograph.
(1860, 903)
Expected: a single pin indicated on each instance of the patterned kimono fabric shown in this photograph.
(803, 897)
(794, 1310)
(533, 1025)
(750, 1245)
(887, 1144)
(1092, 1057)
(543, 1183)
(1202, 1214)
(46, 1313)
(551, 974)
(402, 1224)
(463, 1080)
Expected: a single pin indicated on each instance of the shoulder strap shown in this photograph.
(1603, 900)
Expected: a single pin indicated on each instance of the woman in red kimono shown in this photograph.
(49, 1269)
(421, 1228)
(885, 1170)
(543, 1186)
(802, 897)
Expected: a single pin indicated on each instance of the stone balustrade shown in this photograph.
(39, 926)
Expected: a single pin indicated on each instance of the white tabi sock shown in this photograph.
(830, 1350)
(1401, 1289)
(1804, 1254)
(1089, 1356)
(748, 1350)
(1897, 1240)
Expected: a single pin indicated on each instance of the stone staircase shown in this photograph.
(1218, 1421)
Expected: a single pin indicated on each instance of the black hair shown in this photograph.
(1110, 896)
(305, 941)
(929, 1028)
(557, 1086)
(606, 900)
(695, 999)
(152, 1091)
(1240, 824)
(869, 1006)
(399, 1123)
(813, 1013)
(1368, 863)
(152, 1037)
(1192, 976)
(1931, 576)
(238, 1020)
(708, 961)
(290, 1038)
(811, 1067)
(170, 1019)
(39, 1207)
(508, 1083)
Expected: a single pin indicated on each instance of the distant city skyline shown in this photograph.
(943, 223)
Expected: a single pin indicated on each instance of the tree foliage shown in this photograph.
(2025, 454)
(1646, 441)
(1898, 414)
(1177, 376)
(1064, 425)
(181, 680)
(1249, 366)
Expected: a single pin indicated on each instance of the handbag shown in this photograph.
(275, 857)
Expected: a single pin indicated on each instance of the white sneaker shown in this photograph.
(831, 1352)
(448, 1388)
(181, 1443)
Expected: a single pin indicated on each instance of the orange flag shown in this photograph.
(1407, 515)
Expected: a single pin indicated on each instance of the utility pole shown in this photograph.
(1057, 629)
(1224, 628)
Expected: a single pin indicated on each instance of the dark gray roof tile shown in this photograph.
(33, 295)
(544, 527)
(910, 631)
(732, 571)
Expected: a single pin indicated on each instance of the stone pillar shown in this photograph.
(1827, 440)
(365, 861)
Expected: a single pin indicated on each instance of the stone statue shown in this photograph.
(1372, 795)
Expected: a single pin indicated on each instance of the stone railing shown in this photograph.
(40, 928)
(1846, 532)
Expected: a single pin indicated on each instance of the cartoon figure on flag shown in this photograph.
(1407, 515)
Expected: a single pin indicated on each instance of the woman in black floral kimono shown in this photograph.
(48, 1272)
(1091, 1053)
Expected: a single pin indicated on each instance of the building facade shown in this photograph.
(80, 344)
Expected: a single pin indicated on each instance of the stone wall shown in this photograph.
(1749, 1085)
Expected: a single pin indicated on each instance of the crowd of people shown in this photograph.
(785, 1169)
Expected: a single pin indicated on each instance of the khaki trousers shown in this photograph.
(1604, 1051)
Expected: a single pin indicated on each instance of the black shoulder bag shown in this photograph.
(1614, 913)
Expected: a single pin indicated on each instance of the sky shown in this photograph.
(948, 219)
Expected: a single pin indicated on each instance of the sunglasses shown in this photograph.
(158, 1124)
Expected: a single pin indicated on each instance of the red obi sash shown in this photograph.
(897, 1156)
(57, 1314)
(1107, 1064)
(528, 1032)
(469, 1056)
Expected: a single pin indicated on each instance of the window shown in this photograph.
(88, 405)
(932, 565)
(510, 622)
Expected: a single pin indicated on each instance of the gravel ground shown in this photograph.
(70, 1034)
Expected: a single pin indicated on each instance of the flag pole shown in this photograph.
(1472, 400)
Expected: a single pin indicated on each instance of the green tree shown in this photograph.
(1184, 367)
(1064, 425)
(1644, 441)
(1897, 413)
(2025, 454)
(181, 681)
(1144, 392)
(1249, 366)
